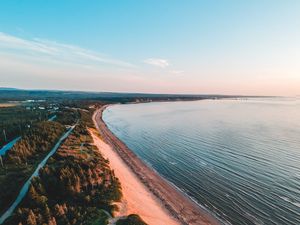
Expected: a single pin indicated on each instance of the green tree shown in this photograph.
(132, 219)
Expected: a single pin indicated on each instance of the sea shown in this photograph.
(237, 158)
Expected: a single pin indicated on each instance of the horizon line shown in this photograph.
(9, 88)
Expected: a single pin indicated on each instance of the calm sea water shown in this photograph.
(240, 159)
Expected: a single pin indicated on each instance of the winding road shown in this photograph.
(8, 146)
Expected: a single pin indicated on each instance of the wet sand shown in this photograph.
(145, 192)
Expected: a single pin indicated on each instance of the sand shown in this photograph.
(144, 191)
(136, 198)
(5, 105)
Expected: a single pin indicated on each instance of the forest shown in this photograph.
(76, 186)
(19, 162)
(14, 121)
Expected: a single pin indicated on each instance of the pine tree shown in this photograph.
(31, 218)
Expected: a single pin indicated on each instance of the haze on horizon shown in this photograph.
(171, 46)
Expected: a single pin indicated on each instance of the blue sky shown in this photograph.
(170, 46)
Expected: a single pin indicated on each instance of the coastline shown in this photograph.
(180, 207)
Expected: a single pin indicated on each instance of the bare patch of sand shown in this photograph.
(5, 105)
(137, 199)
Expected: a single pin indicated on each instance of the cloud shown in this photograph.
(9, 42)
(163, 63)
(40, 49)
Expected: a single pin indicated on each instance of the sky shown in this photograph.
(152, 46)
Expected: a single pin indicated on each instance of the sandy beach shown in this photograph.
(136, 198)
(144, 191)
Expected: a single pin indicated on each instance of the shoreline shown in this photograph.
(178, 205)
